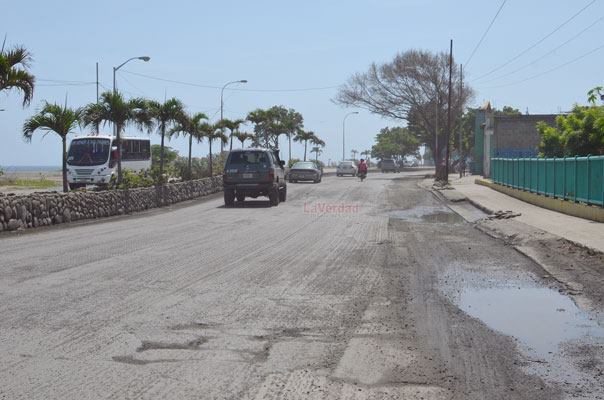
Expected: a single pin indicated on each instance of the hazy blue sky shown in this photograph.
(289, 45)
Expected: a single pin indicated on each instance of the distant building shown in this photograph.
(505, 136)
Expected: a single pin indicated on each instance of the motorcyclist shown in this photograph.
(362, 168)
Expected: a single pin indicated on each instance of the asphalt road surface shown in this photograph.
(348, 290)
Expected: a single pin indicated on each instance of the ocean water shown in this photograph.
(29, 168)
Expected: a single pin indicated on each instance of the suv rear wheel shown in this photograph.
(283, 194)
(229, 198)
(273, 197)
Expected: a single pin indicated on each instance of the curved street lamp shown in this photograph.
(116, 133)
(222, 108)
(344, 134)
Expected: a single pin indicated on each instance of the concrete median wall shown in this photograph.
(50, 208)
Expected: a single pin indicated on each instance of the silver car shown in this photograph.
(346, 168)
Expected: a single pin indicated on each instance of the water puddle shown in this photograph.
(423, 214)
(540, 318)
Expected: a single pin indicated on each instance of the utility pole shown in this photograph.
(97, 82)
(97, 91)
(448, 136)
(462, 160)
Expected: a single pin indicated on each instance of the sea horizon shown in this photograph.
(30, 168)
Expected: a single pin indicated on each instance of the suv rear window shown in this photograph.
(248, 158)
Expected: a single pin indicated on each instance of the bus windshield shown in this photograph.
(88, 151)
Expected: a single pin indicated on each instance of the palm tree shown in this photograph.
(243, 136)
(354, 153)
(164, 115)
(317, 141)
(212, 132)
(232, 126)
(304, 136)
(113, 108)
(190, 125)
(13, 72)
(57, 119)
(317, 150)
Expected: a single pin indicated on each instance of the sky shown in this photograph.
(293, 53)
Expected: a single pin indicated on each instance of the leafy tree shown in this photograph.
(164, 116)
(58, 119)
(412, 87)
(14, 64)
(507, 110)
(395, 142)
(113, 108)
(579, 133)
(190, 125)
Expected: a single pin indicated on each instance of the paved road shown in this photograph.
(203, 302)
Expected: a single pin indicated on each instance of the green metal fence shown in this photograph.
(579, 179)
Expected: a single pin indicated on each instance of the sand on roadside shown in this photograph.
(8, 176)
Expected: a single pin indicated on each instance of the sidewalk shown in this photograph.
(578, 230)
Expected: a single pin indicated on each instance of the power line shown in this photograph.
(548, 53)
(485, 33)
(550, 70)
(538, 42)
(233, 89)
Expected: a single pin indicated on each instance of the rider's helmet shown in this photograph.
(362, 159)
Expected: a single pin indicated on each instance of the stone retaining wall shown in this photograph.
(49, 208)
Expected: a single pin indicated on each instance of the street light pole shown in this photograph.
(116, 131)
(344, 134)
(222, 109)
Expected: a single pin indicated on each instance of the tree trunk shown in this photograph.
(305, 143)
(65, 185)
(289, 136)
(210, 158)
(189, 163)
(161, 157)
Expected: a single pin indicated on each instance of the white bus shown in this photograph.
(91, 160)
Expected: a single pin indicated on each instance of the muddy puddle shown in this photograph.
(426, 214)
(542, 319)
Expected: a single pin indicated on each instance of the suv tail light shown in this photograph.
(271, 174)
(224, 177)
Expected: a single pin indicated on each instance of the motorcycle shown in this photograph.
(362, 175)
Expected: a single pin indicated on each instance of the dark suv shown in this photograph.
(253, 173)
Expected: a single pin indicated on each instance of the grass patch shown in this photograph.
(40, 183)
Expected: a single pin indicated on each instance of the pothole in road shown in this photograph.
(426, 214)
(541, 318)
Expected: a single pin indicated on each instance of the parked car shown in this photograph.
(346, 168)
(304, 171)
(388, 165)
(254, 172)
